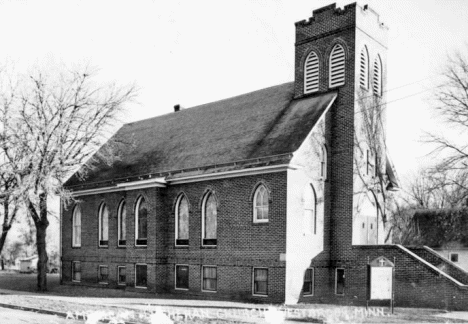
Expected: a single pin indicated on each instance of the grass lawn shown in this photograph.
(302, 313)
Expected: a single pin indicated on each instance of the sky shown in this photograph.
(194, 52)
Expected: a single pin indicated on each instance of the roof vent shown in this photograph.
(176, 108)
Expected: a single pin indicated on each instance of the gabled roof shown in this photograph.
(441, 228)
(255, 125)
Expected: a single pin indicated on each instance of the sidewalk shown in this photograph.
(183, 311)
(139, 310)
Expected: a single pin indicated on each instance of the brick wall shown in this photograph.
(415, 283)
(241, 244)
(441, 263)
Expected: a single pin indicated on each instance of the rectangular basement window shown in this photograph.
(103, 274)
(121, 275)
(210, 278)
(181, 277)
(454, 257)
(308, 288)
(339, 281)
(141, 275)
(260, 282)
(76, 271)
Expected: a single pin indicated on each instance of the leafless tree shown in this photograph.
(51, 125)
(10, 206)
(371, 155)
(451, 100)
(435, 189)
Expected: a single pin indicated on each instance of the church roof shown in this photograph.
(441, 228)
(257, 125)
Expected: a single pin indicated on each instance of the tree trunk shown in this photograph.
(41, 222)
(6, 223)
(41, 229)
(5, 230)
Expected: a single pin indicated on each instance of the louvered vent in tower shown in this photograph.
(311, 73)
(364, 69)
(337, 66)
(377, 77)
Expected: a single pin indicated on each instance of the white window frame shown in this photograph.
(377, 80)
(73, 271)
(120, 210)
(315, 88)
(118, 276)
(205, 199)
(336, 281)
(323, 163)
(74, 237)
(306, 231)
(458, 257)
(137, 207)
(253, 281)
(176, 234)
(202, 282)
(255, 216)
(313, 282)
(343, 82)
(141, 264)
(175, 276)
(100, 215)
(99, 274)
(366, 68)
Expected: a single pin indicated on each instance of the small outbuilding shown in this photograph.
(29, 264)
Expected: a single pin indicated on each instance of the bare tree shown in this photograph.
(452, 106)
(10, 206)
(371, 152)
(437, 188)
(52, 125)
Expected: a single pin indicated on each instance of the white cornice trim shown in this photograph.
(125, 186)
(163, 182)
(142, 183)
(233, 174)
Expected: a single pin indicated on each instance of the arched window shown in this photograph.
(76, 235)
(122, 223)
(209, 223)
(310, 214)
(182, 221)
(323, 163)
(260, 212)
(377, 76)
(141, 222)
(103, 225)
(337, 66)
(311, 73)
(364, 69)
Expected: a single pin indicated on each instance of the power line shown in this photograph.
(395, 100)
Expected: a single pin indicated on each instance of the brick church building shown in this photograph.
(272, 196)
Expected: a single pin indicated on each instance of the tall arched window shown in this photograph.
(311, 73)
(323, 163)
(141, 222)
(122, 223)
(209, 223)
(103, 225)
(310, 213)
(260, 212)
(76, 235)
(182, 221)
(377, 76)
(364, 69)
(337, 66)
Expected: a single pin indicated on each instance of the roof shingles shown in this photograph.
(263, 123)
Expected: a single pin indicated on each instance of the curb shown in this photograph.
(50, 312)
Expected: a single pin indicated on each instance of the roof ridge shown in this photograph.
(210, 103)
